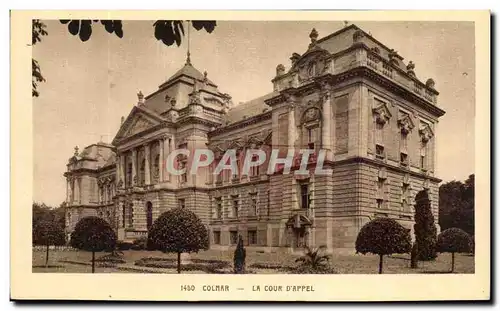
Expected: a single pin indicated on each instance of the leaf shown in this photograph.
(74, 27)
(108, 25)
(85, 30)
(118, 28)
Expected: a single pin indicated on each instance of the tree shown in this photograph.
(453, 240)
(425, 229)
(383, 236)
(314, 260)
(46, 233)
(414, 256)
(456, 205)
(166, 31)
(178, 231)
(93, 234)
(239, 257)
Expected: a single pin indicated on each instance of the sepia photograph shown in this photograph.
(284, 148)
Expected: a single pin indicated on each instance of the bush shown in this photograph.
(383, 236)
(111, 258)
(178, 231)
(93, 234)
(472, 245)
(314, 261)
(124, 246)
(453, 240)
(425, 229)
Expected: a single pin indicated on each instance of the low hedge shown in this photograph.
(265, 265)
(124, 246)
(208, 266)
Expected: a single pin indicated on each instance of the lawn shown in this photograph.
(344, 264)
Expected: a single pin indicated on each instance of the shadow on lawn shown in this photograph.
(49, 266)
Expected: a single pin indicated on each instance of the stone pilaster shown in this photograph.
(134, 167)
(166, 148)
(326, 135)
(147, 169)
(291, 124)
(162, 160)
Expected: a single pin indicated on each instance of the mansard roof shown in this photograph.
(249, 109)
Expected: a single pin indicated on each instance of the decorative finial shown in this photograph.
(346, 23)
(140, 97)
(188, 59)
(313, 35)
(430, 83)
(410, 68)
(280, 70)
(76, 150)
(123, 119)
(205, 74)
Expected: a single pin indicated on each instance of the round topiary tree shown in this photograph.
(453, 240)
(425, 229)
(383, 236)
(93, 234)
(179, 231)
(47, 233)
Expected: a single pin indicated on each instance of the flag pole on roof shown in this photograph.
(188, 59)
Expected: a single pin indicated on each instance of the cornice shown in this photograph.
(240, 124)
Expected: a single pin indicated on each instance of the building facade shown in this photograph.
(347, 94)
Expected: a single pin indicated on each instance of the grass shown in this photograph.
(344, 264)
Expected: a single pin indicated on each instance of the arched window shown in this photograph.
(149, 215)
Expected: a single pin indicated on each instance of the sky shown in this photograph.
(91, 85)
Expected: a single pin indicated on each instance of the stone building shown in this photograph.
(348, 94)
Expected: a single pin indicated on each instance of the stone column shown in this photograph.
(68, 187)
(291, 125)
(166, 148)
(147, 169)
(134, 167)
(122, 169)
(168, 141)
(161, 164)
(326, 135)
(118, 168)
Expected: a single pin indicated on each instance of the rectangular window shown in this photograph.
(236, 206)
(380, 203)
(217, 237)
(381, 188)
(422, 162)
(254, 171)
(253, 205)
(379, 151)
(304, 196)
(404, 142)
(233, 237)
(404, 196)
(252, 237)
(182, 203)
(403, 159)
(218, 208)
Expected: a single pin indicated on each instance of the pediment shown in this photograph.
(405, 123)
(313, 63)
(382, 113)
(139, 120)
